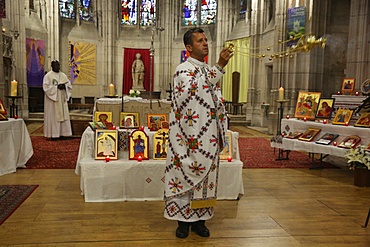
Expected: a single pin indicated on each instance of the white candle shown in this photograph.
(281, 93)
(13, 88)
(111, 90)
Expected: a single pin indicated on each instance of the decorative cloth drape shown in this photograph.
(128, 58)
(239, 62)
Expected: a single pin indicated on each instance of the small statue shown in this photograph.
(138, 72)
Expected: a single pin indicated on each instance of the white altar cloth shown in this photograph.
(130, 180)
(293, 125)
(16, 145)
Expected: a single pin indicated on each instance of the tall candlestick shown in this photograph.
(111, 90)
(281, 93)
(13, 88)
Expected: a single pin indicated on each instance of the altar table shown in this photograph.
(130, 180)
(292, 125)
(16, 145)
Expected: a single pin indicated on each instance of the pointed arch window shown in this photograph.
(85, 10)
(138, 11)
(243, 9)
(192, 16)
(67, 9)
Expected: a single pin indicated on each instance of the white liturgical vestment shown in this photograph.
(56, 114)
(197, 130)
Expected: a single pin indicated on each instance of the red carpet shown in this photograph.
(257, 153)
(59, 154)
(11, 197)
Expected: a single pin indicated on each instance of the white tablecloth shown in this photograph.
(130, 180)
(293, 125)
(16, 145)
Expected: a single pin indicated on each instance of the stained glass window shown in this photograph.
(66, 8)
(207, 14)
(189, 12)
(147, 12)
(85, 10)
(32, 5)
(243, 8)
(128, 12)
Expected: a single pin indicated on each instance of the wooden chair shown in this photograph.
(235, 94)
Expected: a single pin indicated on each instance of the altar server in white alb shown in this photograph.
(58, 90)
(197, 130)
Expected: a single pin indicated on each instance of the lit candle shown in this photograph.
(357, 93)
(139, 158)
(287, 116)
(229, 159)
(13, 88)
(15, 117)
(325, 121)
(346, 123)
(338, 93)
(111, 90)
(142, 128)
(282, 134)
(107, 159)
(281, 93)
(305, 119)
(334, 143)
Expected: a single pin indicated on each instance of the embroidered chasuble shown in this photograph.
(197, 130)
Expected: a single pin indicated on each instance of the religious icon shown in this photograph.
(2, 108)
(160, 143)
(106, 144)
(138, 145)
(348, 85)
(309, 134)
(227, 151)
(129, 120)
(155, 121)
(364, 120)
(325, 108)
(343, 116)
(307, 104)
(350, 142)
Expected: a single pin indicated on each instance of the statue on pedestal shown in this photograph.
(138, 72)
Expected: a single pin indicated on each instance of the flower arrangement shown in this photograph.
(358, 158)
(134, 93)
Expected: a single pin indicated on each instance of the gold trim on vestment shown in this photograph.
(203, 203)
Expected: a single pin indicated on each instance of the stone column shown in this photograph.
(358, 42)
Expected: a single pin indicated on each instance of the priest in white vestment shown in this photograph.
(197, 131)
(58, 90)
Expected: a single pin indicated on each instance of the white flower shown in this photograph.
(131, 91)
(137, 92)
(359, 155)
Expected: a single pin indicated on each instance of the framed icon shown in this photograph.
(325, 108)
(138, 145)
(103, 117)
(327, 138)
(227, 151)
(106, 144)
(155, 121)
(365, 87)
(364, 120)
(294, 135)
(307, 104)
(3, 117)
(2, 108)
(129, 120)
(309, 134)
(350, 142)
(342, 116)
(348, 85)
(160, 144)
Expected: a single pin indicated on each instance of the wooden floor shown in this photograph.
(280, 207)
